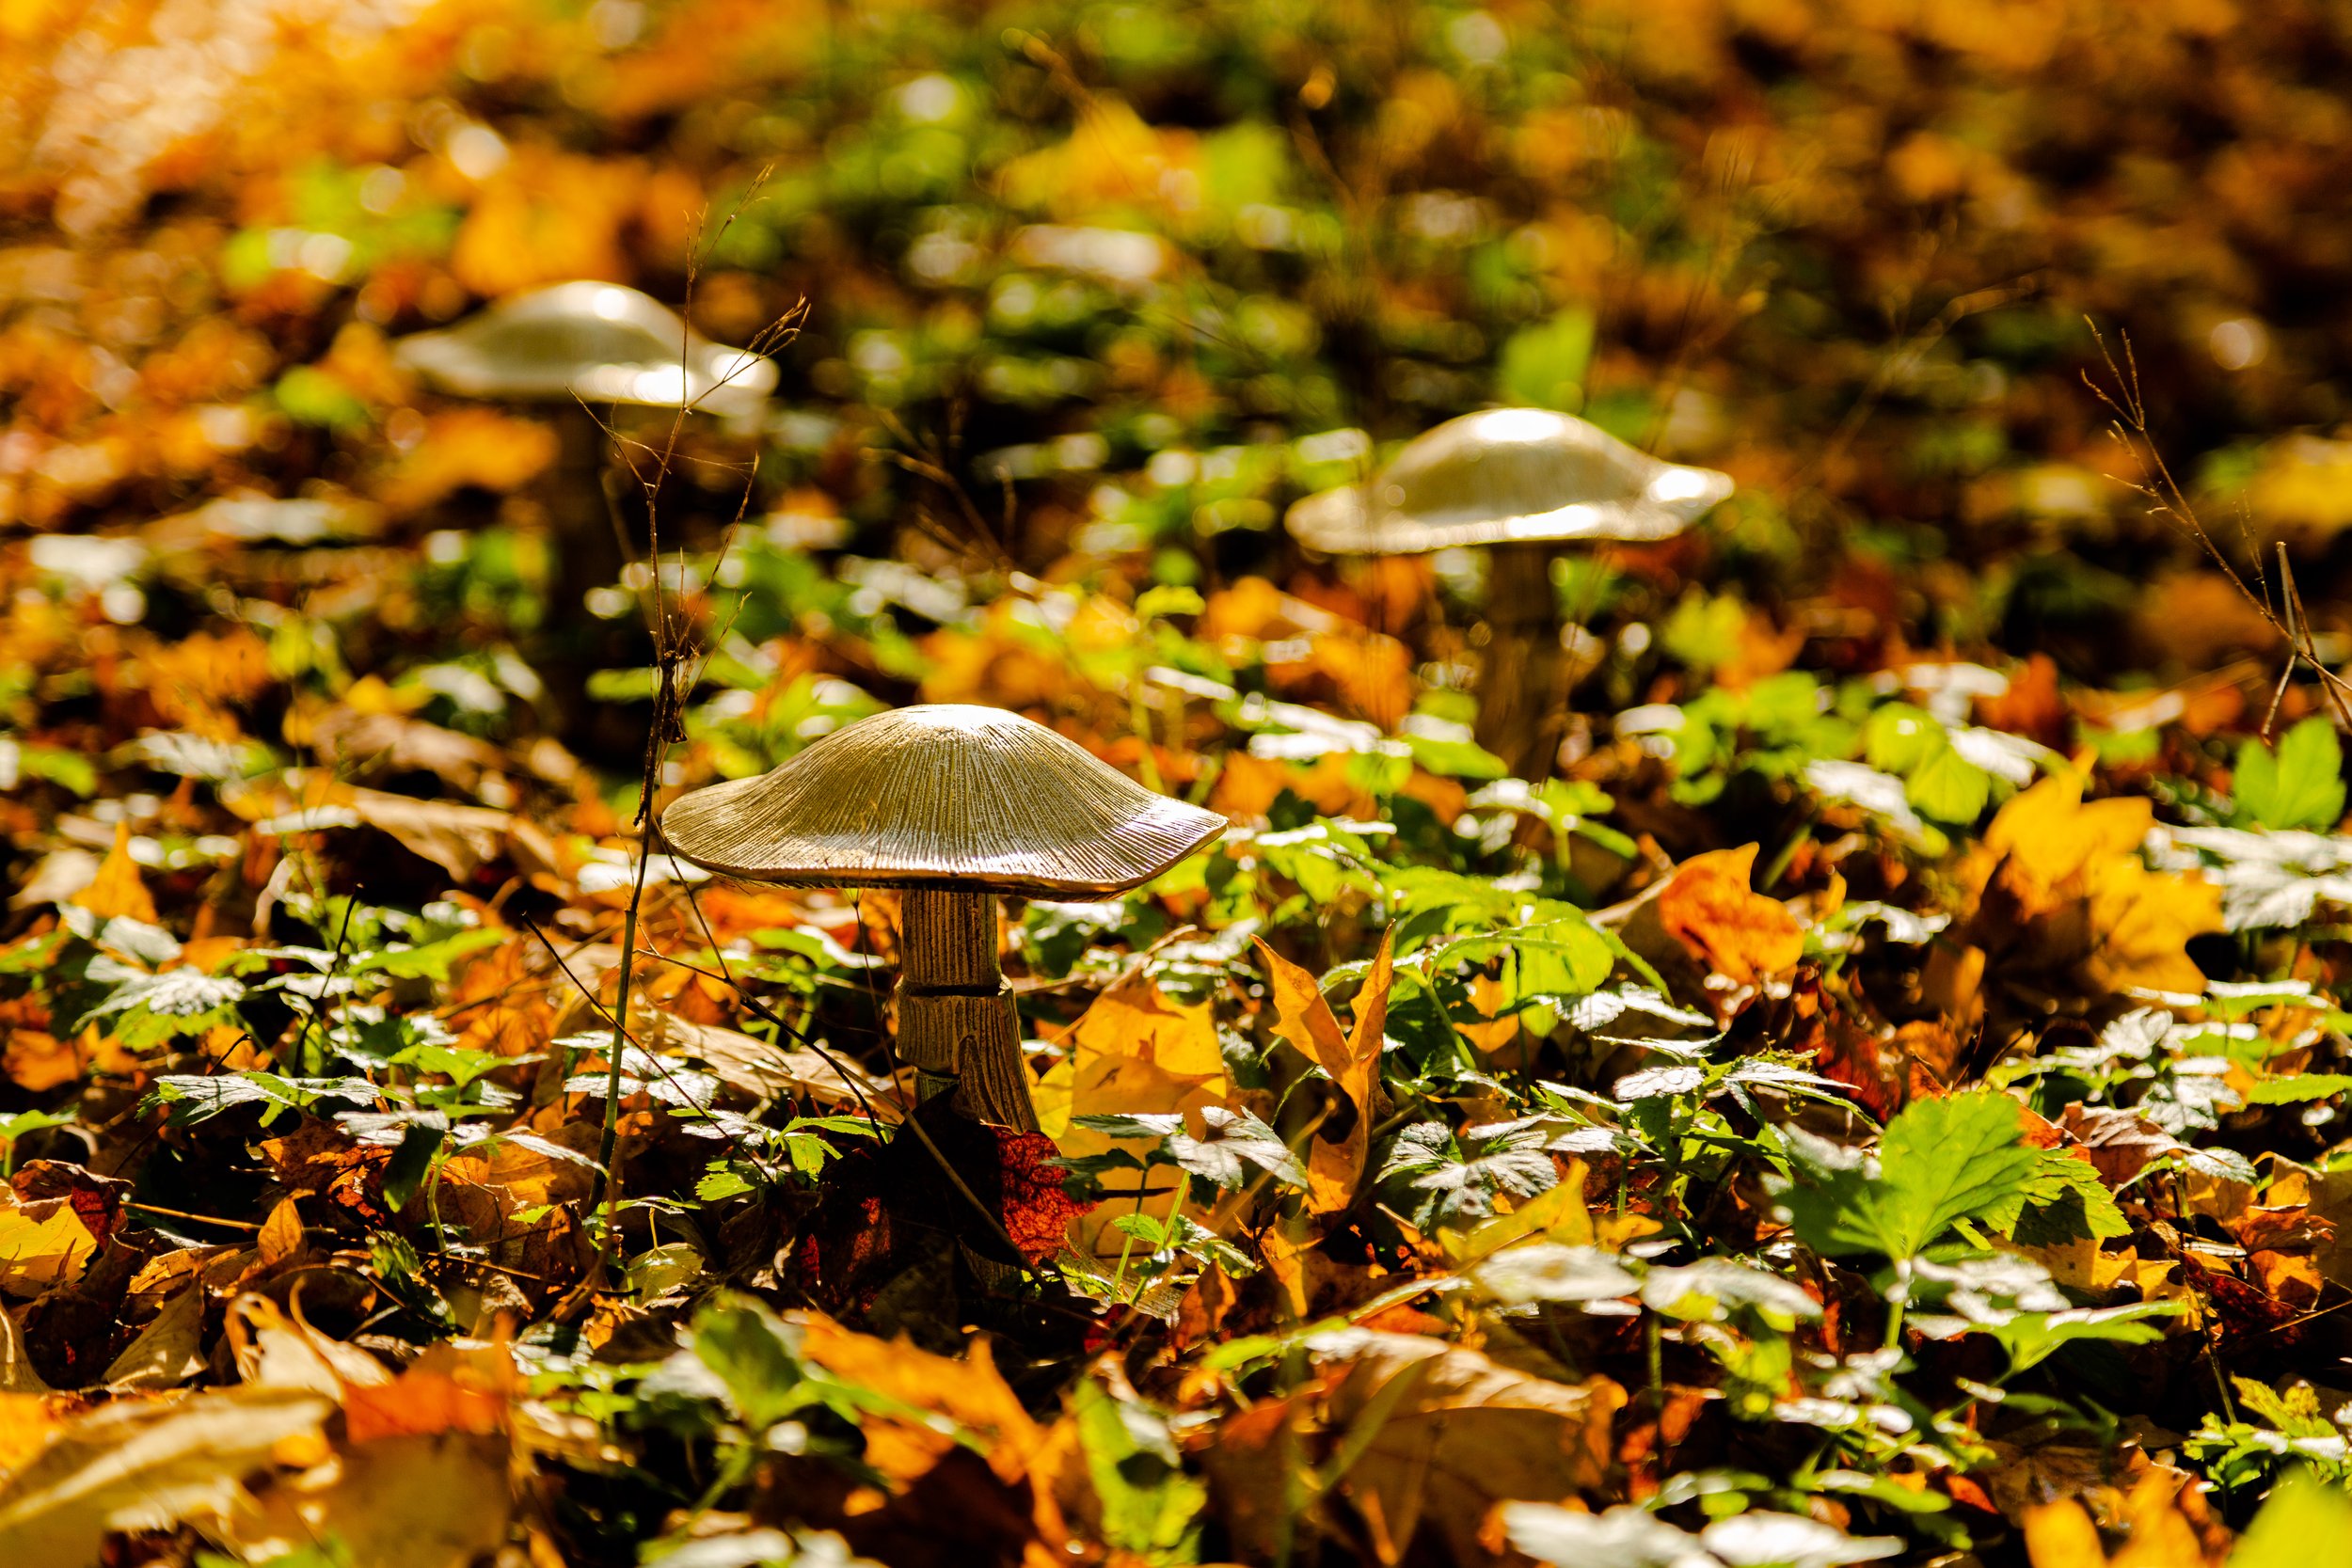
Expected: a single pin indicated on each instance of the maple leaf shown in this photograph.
(2061, 885)
(1705, 927)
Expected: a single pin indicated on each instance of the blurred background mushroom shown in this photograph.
(1520, 482)
(575, 346)
(954, 805)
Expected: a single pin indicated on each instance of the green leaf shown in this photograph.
(1564, 958)
(755, 1354)
(1543, 367)
(1235, 1139)
(2306, 1524)
(411, 1162)
(2295, 1090)
(1949, 787)
(2064, 1201)
(199, 1097)
(1942, 1160)
(2033, 1337)
(2299, 786)
(429, 962)
(151, 1008)
(1149, 1507)
(1898, 738)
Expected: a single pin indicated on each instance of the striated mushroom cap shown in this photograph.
(941, 795)
(597, 341)
(1507, 476)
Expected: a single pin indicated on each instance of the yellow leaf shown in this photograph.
(135, 1466)
(24, 1427)
(1556, 1215)
(1335, 1166)
(274, 1351)
(1302, 1017)
(2060, 889)
(440, 1500)
(2056, 835)
(1135, 1053)
(2060, 1535)
(42, 1244)
(118, 892)
(168, 1351)
(2161, 1535)
(2141, 922)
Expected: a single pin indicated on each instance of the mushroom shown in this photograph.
(572, 344)
(1521, 482)
(590, 343)
(955, 805)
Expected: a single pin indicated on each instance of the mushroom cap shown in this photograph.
(599, 343)
(941, 795)
(1507, 476)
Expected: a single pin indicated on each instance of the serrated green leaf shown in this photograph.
(2065, 1200)
(2297, 1089)
(1961, 1157)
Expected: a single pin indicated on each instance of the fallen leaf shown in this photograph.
(280, 1240)
(138, 1466)
(41, 1245)
(752, 1066)
(2157, 1533)
(447, 1389)
(1437, 1437)
(1135, 1052)
(968, 1392)
(116, 891)
(168, 1351)
(274, 1351)
(1706, 929)
(2059, 886)
(1335, 1165)
(459, 839)
(438, 1501)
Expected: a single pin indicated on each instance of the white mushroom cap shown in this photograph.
(599, 343)
(941, 795)
(1507, 476)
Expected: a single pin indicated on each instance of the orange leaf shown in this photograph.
(118, 892)
(447, 1390)
(1335, 1166)
(1738, 933)
(970, 1393)
(281, 1234)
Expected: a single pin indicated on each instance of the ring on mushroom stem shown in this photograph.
(956, 805)
(1522, 483)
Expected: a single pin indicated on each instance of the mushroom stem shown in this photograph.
(1521, 688)
(588, 554)
(956, 1020)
